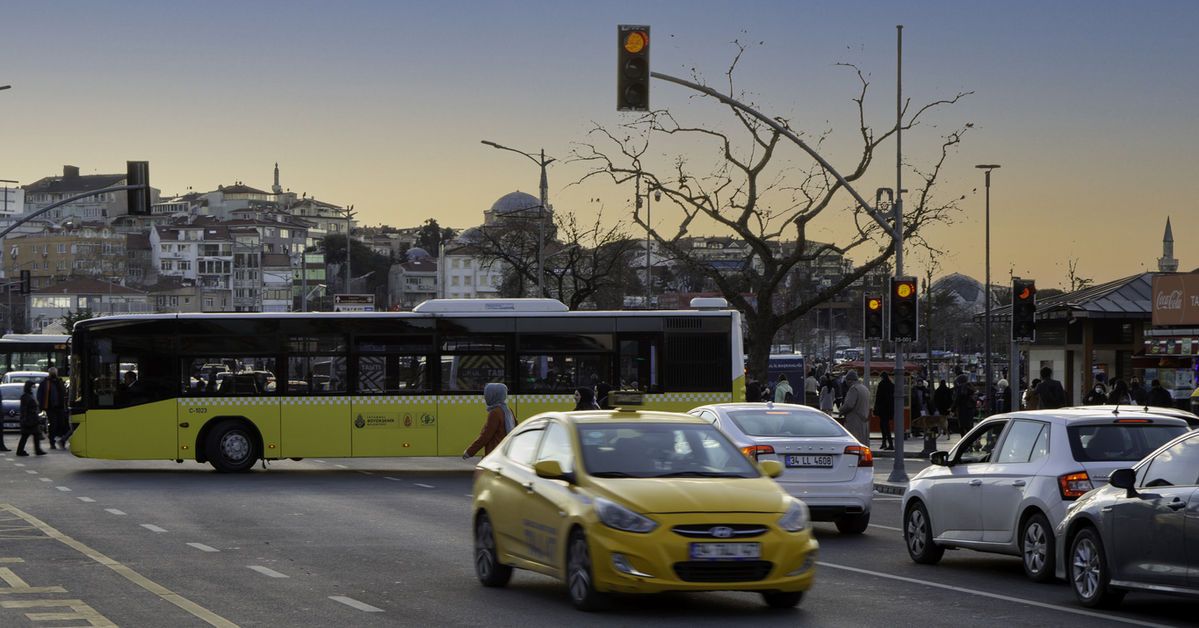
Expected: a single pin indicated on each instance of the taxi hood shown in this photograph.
(680, 495)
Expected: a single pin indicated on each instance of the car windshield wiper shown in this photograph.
(610, 474)
(699, 474)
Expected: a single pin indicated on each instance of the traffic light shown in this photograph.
(138, 201)
(632, 68)
(1024, 310)
(872, 328)
(904, 321)
(26, 282)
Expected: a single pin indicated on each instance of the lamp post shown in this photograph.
(648, 241)
(987, 168)
(541, 162)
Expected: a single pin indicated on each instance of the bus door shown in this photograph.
(394, 409)
(460, 406)
(132, 411)
(316, 415)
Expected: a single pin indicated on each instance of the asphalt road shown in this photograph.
(379, 542)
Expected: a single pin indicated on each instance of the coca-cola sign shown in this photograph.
(1176, 299)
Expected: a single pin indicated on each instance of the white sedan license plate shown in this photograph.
(725, 551)
(809, 461)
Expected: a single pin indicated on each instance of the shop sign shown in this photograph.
(1176, 299)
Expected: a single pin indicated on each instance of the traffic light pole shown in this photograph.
(898, 472)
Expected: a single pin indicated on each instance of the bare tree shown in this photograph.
(767, 204)
(1075, 281)
(582, 262)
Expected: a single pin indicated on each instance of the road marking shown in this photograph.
(352, 603)
(388, 477)
(20, 464)
(153, 528)
(341, 466)
(988, 594)
(86, 500)
(63, 489)
(266, 571)
(78, 610)
(366, 473)
(30, 471)
(129, 574)
(114, 511)
(204, 548)
(314, 460)
(468, 495)
(875, 525)
(422, 485)
(46, 479)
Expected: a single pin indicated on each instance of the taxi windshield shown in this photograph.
(660, 450)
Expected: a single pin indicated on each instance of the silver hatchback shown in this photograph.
(1006, 485)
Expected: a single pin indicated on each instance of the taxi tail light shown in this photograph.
(865, 456)
(1074, 485)
(753, 451)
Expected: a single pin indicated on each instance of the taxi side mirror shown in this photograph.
(939, 458)
(550, 470)
(771, 468)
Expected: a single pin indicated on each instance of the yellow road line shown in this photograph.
(128, 573)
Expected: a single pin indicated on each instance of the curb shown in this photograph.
(890, 488)
(907, 454)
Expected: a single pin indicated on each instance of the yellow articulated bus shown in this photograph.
(231, 389)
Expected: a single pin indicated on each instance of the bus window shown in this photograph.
(393, 365)
(469, 363)
(316, 365)
(228, 376)
(561, 372)
(129, 370)
(638, 364)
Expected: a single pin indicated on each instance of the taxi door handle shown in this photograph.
(976, 482)
(528, 487)
(1018, 483)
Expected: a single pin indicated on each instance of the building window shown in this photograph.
(62, 248)
(167, 265)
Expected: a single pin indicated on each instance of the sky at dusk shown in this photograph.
(1090, 107)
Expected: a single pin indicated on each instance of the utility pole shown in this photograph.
(349, 212)
(898, 472)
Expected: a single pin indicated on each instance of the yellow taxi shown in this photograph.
(637, 502)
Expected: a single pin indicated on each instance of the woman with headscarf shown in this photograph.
(499, 421)
(585, 399)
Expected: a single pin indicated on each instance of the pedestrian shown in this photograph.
(1096, 397)
(1050, 393)
(1119, 394)
(753, 391)
(52, 396)
(1031, 401)
(884, 408)
(499, 421)
(782, 390)
(1160, 397)
(856, 408)
(828, 394)
(585, 399)
(921, 403)
(943, 399)
(1001, 397)
(811, 389)
(964, 404)
(1137, 391)
(30, 423)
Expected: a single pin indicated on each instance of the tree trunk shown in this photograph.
(761, 336)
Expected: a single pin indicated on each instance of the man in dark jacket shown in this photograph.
(943, 399)
(884, 408)
(30, 423)
(1160, 397)
(52, 397)
(1050, 393)
(964, 404)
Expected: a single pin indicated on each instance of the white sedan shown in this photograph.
(823, 464)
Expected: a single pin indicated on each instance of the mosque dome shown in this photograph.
(416, 253)
(470, 236)
(515, 202)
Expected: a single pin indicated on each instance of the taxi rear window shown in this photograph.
(1125, 442)
(784, 423)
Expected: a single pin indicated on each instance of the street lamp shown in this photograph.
(648, 228)
(542, 162)
(987, 168)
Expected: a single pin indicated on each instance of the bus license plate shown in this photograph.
(725, 551)
(810, 461)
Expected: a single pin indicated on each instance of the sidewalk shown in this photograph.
(911, 452)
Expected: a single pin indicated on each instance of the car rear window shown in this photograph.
(784, 423)
(1119, 442)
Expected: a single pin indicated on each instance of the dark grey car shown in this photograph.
(11, 409)
(1140, 532)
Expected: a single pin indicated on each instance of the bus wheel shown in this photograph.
(231, 447)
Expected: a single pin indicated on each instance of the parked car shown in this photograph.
(20, 377)
(1138, 532)
(1005, 486)
(637, 502)
(823, 464)
(10, 397)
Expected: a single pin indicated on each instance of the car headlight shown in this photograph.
(616, 516)
(796, 517)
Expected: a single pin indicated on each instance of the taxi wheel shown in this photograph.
(579, 580)
(918, 536)
(853, 524)
(1037, 548)
(1088, 572)
(487, 563)
(782, 599)
(231, 448)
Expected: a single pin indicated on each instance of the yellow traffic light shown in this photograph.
(636, 41)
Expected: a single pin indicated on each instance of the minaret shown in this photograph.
(1166, 263)
(277, 189)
